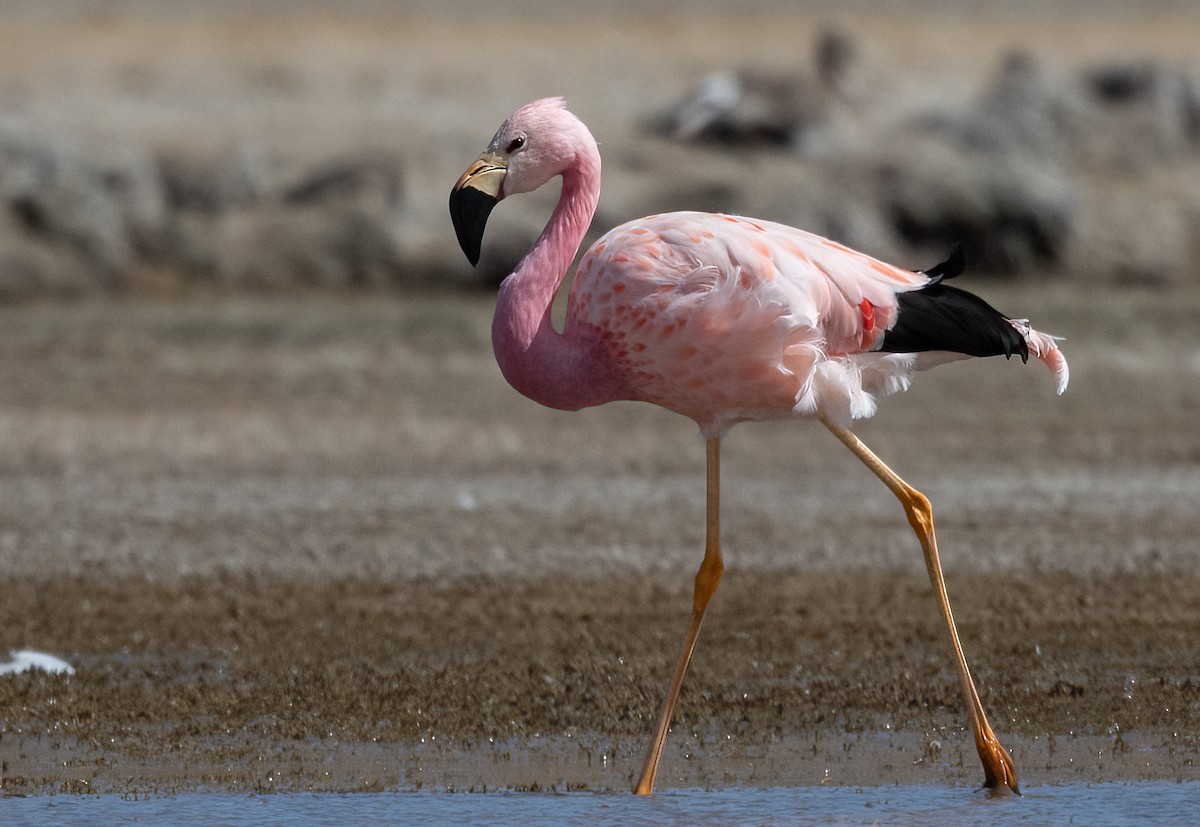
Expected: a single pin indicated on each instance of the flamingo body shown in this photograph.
(725, 319)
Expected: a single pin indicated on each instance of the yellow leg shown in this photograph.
(707, 579)
(998, 767)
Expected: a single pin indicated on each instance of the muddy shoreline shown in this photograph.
(846, 678)
(283, 541)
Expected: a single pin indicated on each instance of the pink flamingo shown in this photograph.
(723, 319)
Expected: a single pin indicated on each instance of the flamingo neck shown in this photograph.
(557, 370)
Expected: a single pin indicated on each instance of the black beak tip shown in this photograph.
(469, 211)
(472, 255)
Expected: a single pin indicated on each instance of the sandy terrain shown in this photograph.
(307, 543)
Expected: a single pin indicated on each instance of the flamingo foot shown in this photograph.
(998, 767)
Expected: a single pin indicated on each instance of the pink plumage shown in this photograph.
(722, 319)
(718, 317)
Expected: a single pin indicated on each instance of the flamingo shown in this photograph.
(723, 319)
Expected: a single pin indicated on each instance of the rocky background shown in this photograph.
(159, 147)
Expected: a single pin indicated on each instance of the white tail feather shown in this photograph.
(1043, 346)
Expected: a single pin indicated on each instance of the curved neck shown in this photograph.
(556, 370)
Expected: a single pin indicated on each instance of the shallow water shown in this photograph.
(1096, 804)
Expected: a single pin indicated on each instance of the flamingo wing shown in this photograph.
(725, 318)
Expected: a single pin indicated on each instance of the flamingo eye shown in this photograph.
(515, 144)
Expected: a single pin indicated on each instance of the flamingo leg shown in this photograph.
(707, 579)
(998, 766)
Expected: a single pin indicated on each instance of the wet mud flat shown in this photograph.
(317, 543)
(495, 683)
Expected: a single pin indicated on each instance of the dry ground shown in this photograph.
(315, 543)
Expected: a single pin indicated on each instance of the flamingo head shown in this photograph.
(537, 142)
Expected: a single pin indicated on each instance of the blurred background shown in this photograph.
(238, 333)
(226, 264)
(154, 147)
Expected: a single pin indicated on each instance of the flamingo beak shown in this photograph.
(471, 201)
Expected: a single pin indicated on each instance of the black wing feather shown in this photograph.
(951, 267)
(939, 317)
